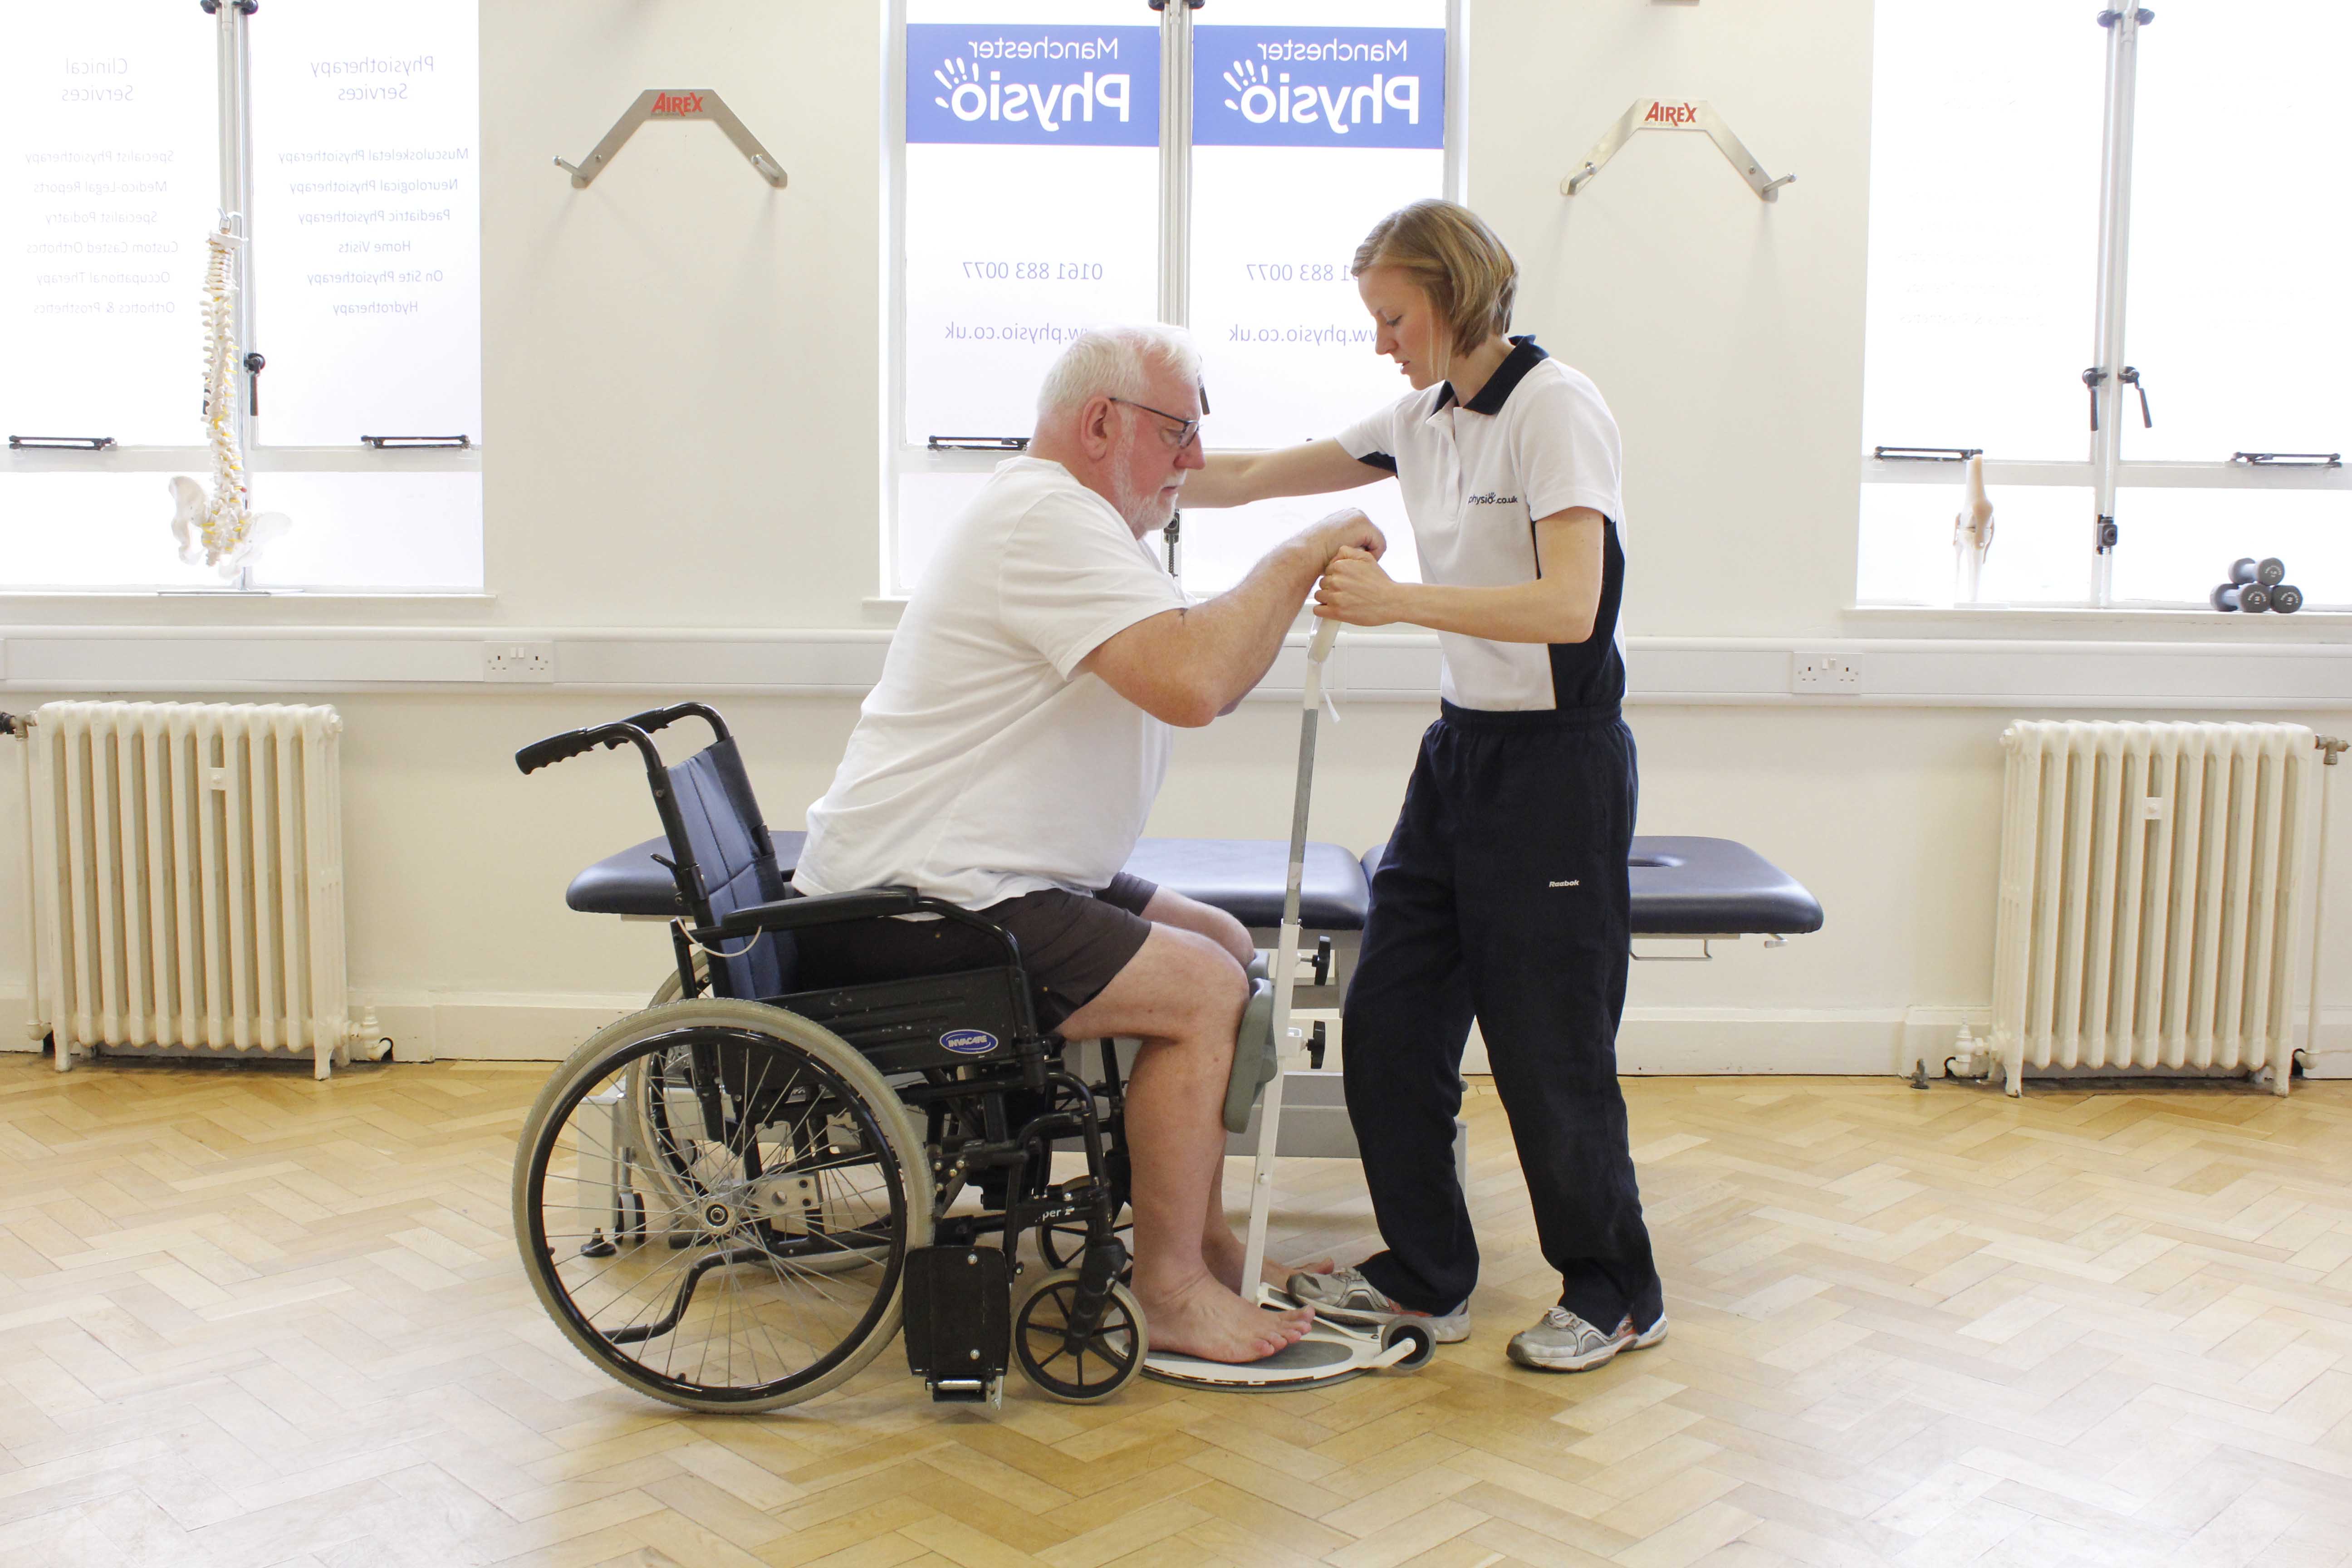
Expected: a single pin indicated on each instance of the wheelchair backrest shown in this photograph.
(719, 817)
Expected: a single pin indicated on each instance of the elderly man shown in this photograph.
(1012, 751)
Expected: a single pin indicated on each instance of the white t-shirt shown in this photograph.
(1535, 440)
(981, 768)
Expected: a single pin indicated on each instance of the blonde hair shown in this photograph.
(1453, 257)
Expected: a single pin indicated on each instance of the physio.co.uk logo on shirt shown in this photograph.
(1329, 87)
(1034, 86)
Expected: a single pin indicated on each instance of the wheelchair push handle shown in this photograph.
(572, 742)
(654, 719)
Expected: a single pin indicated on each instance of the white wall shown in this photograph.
(682, 375)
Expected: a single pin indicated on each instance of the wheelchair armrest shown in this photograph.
(823, 908)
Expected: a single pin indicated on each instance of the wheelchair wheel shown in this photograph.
(1078, 1369)
(1063, 1243)
(781, 1158)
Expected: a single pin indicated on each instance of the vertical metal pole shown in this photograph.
(1457, 187)
(235, 65)
(2115, 236)
(1288, 1039)
(1176, 163)
(894, 292)
(35, 1020)
(2329, 750)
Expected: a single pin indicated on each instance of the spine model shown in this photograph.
(1971, 535)
(219, 530)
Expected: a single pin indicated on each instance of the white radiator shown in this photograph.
(186, 871)
(2150, 878)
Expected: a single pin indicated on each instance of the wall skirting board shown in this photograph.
(1370, 666)
(1654, 1041)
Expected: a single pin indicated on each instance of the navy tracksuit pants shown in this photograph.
(1504, 897)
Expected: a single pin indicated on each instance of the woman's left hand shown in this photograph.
(1355, 591)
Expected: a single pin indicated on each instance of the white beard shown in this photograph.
(1145, 513)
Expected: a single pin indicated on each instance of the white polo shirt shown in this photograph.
(982, 767)
(1535, 440)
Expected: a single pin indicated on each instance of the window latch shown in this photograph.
(977, 443)
(414, 443)
(253, 365)
(1925, 453)
(2130, 378)
(2273, 460)
(59, 443)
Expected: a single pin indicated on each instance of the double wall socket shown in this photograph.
(1825, 675)
(519, 661)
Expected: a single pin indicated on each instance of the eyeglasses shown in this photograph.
(1186, 429)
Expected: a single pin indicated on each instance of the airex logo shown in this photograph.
(1037, 86)
(1329, 87)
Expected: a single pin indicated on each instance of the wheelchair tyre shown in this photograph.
(790, 1280)
(1065, 1368)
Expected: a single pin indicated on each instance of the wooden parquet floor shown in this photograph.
(247, 1320)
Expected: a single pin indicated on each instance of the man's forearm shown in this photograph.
(1238, 633)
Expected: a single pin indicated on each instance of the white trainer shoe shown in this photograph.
(1561, 1341)
(1345, 1295)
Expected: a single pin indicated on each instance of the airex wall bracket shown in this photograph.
(1672, 114)
(673, 103)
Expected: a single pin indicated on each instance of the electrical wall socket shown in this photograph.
(519, 661)
(1825, 675)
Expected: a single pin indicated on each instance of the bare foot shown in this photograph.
(1225, 1255)
(1205, 1320)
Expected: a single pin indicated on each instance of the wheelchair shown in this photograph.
(732, 1200)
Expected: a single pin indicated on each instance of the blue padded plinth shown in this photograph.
(1682, 887)
(1704, 887)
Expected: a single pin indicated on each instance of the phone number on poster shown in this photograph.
(1035, 271)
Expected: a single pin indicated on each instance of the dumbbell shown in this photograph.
(2286, 598)
(2251, 597)
(2269, 572)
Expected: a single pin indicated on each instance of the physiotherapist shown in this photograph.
(1504, 894)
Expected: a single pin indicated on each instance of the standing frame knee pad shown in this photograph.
(1255, 1059)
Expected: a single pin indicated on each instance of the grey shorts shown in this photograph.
(1072, 945)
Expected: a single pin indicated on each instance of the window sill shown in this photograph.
(2121, 623)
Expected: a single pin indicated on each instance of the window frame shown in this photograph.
(2104, 469)
(234, 149)
(901, 453)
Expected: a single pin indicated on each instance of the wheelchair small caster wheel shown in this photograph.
(1424, 1345)
(1073, 1368)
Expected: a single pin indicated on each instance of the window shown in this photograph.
(1068, 164)
(344, 140)
(2072, 209)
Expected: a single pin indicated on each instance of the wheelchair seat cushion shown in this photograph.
(1072, 945)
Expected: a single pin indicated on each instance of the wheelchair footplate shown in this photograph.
(958, 1321)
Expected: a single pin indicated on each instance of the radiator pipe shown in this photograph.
(21, 726)
(2330, 748)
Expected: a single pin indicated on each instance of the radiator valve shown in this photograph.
(369, 1043)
